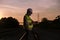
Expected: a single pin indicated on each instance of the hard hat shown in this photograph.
(29, 9)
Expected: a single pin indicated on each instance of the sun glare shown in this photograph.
(1, 14)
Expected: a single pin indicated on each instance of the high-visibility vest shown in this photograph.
(30, 24)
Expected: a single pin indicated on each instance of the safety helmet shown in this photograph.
(29, 10)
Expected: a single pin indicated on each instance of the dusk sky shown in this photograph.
(17, 8)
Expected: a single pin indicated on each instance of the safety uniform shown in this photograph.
(28, 22)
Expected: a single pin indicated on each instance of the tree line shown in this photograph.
(50, 24)
(11, 22)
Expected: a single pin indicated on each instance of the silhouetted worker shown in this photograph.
(28, 24)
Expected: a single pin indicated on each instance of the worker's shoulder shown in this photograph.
(25, 16)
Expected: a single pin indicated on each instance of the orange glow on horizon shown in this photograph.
(1, 14)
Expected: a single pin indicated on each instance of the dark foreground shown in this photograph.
(16, 33)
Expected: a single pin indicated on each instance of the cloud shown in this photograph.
(39, 6)
(36, 5)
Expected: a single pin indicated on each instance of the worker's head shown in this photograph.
(29, 11)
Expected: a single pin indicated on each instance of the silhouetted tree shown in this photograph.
(45, 23)
(9, 22)
(58, 17)
(12, 22)
(57, 21)
(2, 22)
(44, 20)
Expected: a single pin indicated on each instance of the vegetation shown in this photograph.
(11, 22)
(7, 26)
(50, 24)
(8, 22)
